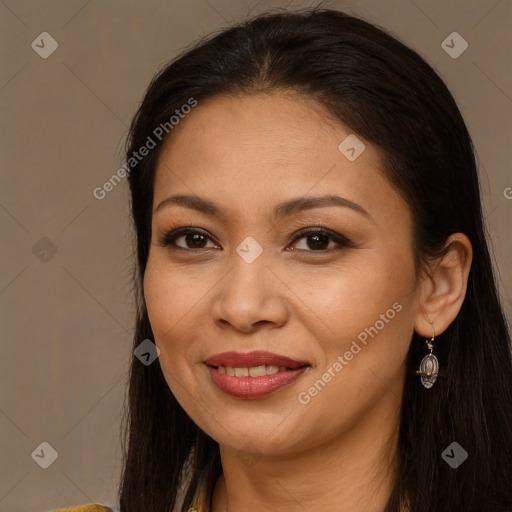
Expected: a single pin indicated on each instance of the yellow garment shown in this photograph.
(200, 504)
(84, 508)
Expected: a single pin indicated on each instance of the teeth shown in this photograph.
(258, 371)
(271, 369)
(253, 371)
(241, 372)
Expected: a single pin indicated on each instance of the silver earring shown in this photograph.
(429, 366)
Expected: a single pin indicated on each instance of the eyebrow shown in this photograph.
(280, 211)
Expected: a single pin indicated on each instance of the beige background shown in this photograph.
(66, 318)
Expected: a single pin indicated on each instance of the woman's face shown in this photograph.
(341, 304)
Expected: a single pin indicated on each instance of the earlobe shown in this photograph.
(445, 287)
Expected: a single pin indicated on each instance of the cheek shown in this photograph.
(356, 293)
(171, 296)
(362, 365)
(367, 312)
(172, 300)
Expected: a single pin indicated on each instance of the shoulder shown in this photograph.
(84, 508)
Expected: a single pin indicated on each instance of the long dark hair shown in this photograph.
(387, 94)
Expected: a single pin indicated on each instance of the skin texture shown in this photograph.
(247, 154)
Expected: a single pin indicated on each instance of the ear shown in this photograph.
(444, 289)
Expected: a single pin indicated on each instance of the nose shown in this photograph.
(250, 296)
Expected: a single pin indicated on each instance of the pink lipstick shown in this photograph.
(254, 374)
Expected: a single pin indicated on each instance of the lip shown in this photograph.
(254, 358)
(251, 388)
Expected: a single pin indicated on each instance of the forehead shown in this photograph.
(250, 151)
(280, 128)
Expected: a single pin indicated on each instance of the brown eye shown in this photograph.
(321, 240)
(194, 240)
(190, 239)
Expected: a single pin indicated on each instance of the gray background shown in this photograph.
(67, 316)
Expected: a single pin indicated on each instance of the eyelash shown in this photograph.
(342, 241)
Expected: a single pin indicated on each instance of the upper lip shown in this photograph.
(255, 358)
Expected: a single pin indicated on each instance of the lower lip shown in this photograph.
(254, 387)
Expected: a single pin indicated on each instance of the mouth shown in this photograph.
(255, 374)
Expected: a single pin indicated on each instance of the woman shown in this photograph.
(313, 270)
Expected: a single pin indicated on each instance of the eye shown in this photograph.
(318, 240)
(192, 239)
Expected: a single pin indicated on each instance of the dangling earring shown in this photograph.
(429, 366)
